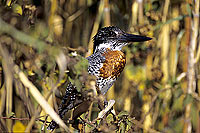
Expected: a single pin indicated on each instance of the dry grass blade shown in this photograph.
(7, 64)
(62, 63)
(40, 99)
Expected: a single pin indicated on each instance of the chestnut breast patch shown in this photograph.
(113, 65)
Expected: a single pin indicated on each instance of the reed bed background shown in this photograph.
(43, 45)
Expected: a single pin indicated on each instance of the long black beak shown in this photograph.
(133, 38)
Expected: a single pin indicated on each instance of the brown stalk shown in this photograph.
(191, 80)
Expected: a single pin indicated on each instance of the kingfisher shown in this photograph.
(106, 63)
(108, 60)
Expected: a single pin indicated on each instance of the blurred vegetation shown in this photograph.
(43, 45)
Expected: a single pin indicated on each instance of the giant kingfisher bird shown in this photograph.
(106, 63)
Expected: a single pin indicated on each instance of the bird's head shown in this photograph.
(114, 38)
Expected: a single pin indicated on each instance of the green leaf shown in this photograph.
(188, 8)
(194, 115)
(129, 124)
(17, 9)
(158, 26)
(81, 66)
(178, 103)
(188, 100)
(123, 113)
(109, 118)
(12, 114)
(122, 127)
(177, 125)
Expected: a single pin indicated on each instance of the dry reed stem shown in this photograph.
(3, 99)
(196, 28)
(140, 12)
(191, 81)
(106, 13)
(134, 13)
(7, 65)
(95, 27)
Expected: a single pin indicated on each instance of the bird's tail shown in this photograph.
(67, 104)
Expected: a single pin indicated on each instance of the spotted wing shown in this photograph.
(95, 63)
(68, 102)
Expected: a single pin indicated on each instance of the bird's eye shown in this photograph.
(111, 34)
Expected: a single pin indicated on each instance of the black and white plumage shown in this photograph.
(67, 103)
(106, 63)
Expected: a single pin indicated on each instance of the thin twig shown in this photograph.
(14, 118)
(89, 123)
(76, 14)
(23, 119)
(44, 123)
